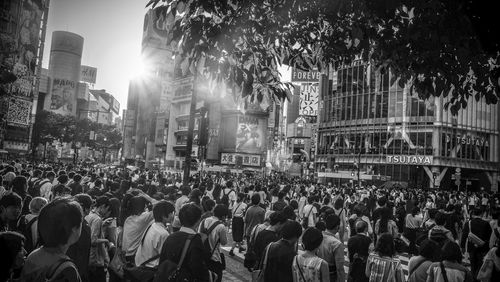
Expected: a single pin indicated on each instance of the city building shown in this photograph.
(373, 131)
(22, 33)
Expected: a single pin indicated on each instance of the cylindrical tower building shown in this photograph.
(64, 72)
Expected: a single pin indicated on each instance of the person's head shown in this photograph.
(332, 222)
(477, 211)
(428, 249)
(37, 204)
(11, 206)
(440, 218)
(185, 190)
(189, 215)
(102, 206)
(51, 175)
(37, 173)
(19, 185)
(137, 205)
(60, 223)
(63, 178)
(277, 219)
(208, 205)
(241, 197)
(385, 245)
(291, 231)
(415, 211)
(85, 202)
(221, 211)
(361, 226)
(432, 213)
(114, 208)
(311, 239)
(163, 212)
(451, 252)
(310, 199)
(289, 212)
(255, 199)
(339, 203)
(77, 178)
(13, 253)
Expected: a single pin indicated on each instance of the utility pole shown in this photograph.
(189, 142)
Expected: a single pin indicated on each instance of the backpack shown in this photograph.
(205, 233)
(439, 236)
(34, 189)
(171, 271)
(25, 228)
(53, 272)
(225, 198)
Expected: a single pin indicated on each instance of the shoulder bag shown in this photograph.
(258, 274)
(305, 220)
(141, 273)
(117, 262)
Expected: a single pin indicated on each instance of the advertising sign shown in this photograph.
(309, 94)
(88, 74)
(409, 160)
(63, 96)
(19, 112)
(250, 134)
(248, 160)
(305, 76)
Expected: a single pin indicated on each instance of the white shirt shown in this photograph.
(133, 228)
(153, 243)
(219, 234)
(239, 209)
(307, 211)
(46, 189)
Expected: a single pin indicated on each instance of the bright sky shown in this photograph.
(112, 32)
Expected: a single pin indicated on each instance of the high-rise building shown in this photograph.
(22, 33)
(374, 131)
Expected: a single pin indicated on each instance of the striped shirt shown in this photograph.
(384, 269)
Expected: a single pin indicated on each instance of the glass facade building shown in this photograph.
(368, 123)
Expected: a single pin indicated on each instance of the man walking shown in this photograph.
(359, 247)
(332, 250)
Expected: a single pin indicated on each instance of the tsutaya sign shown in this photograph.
(410, 160)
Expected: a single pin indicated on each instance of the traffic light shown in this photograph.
(203, 127)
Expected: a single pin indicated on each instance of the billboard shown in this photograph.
(19, 112)
(305, 76)
(88, 74)
(63, 98)
(247, 160)
(309, 95)
(251, 134)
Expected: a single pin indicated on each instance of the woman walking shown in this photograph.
(237, 223)
(383, 265)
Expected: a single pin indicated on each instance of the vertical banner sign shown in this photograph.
(309, 94)
(250, 134)
(88, 74)
(62, 99)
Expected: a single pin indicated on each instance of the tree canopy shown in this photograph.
(439, 47)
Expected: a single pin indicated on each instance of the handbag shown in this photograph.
(118, 261)
(141, 273)
(305, 220)
(474, 239)
(258, 274)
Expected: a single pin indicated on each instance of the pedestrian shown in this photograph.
(490, 270)
(28, 224)
(99, 258)
(13, 254)
(418, 265)
(268, 235)
(358, 247)
(383, 265)
(413, 221)
(308, 266)
(194, 267)
(475, 239)
(254, 215)
(148, 252)
(59, 224)
(11, 205)
(309, 214)
(238, 224)
(79, 252)
(282, 253)
(332, 249)
(449, 268)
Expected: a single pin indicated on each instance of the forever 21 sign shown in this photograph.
(409, 160)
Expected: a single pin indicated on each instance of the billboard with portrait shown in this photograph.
(63, 98)
(251, 134)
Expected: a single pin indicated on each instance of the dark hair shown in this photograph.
(84, 200)
(10, 244)
(339, 203)
(382, 201)
(291, 229)
(361, 226)
(440, 218)
(221, 211)
(310, 199)
(162, 209)
(432, 213)
(207, 204)
(11, 199)
(19, 185)
(102, 200)
(428, 249)
(312, 238)
(77, 177)
(475, 211)
(320, 225)
(451, 252)
(57, 220)
(255, 199)
(385, 245)
(50, 174)
(241, 197)
(415, 211)
(63, 178)
(294, 204)
(189, 214)
(136, 205)
(289, 212)
(383, 225)
(114, 205)
(277, 217)
(332, 221)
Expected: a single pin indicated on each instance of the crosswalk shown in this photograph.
(404, 258)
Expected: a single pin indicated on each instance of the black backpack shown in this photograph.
(24, 227)
(225, 198)
(171, 271)
(34, 187)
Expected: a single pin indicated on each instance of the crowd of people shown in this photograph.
(86, 223)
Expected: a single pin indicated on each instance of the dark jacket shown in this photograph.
(79, 252)
(196, 258)
(482, 229)
(358, 247)
(262, 240)
(279, 262)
